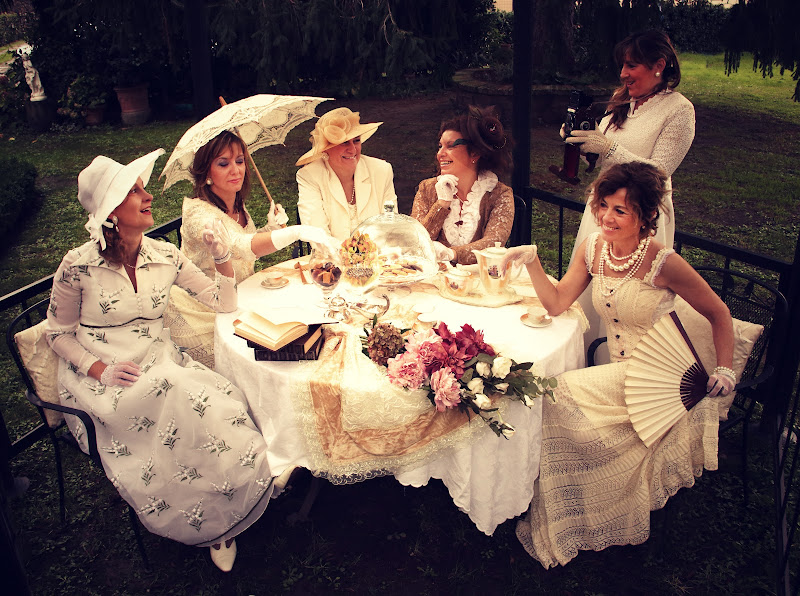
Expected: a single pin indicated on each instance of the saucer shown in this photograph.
(274, 286)
(530, 323)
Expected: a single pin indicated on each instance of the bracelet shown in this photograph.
(223, 259)
(724, 370)
(611, 149)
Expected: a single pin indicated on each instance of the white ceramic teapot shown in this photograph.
(493, 277)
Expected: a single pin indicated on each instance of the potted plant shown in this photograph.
(85, 98)
(129, 71)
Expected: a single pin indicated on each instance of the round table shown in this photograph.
(492, 478)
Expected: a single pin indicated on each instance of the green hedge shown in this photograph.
(14, 27)
(19, 191)
(696, 26)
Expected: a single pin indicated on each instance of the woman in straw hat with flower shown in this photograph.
(174, 437)
(338, 186)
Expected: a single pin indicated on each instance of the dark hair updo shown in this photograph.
(646, 185)
(486, 136)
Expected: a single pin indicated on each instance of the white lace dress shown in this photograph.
(179, 444)
(190, 322)
(660, 132)
(597, 481)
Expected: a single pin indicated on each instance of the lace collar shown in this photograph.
(468, 213)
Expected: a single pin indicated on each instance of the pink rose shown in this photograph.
(447, 392)
(406, 370)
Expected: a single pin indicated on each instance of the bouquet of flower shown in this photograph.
(358, 249)
(459, 370)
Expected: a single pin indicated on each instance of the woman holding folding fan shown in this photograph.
(598, 479)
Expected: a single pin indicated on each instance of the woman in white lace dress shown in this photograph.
(221, 186)
(598, 481)
(174, 437)
(466, 207)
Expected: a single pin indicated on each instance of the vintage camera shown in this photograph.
(579, 117)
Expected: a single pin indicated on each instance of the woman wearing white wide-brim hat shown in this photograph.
(338, 186)
(174, 437)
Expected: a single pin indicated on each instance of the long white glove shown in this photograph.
(217, 241)
(277, 218)
(446, 187)
(521, 255)
(591, 141)
(121, 373)
(720, 383)
(443, 253)
(285, 236)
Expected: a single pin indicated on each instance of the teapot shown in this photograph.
(494, 279)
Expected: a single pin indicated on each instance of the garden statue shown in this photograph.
(31, 74)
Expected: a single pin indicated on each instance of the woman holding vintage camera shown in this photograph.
(647, 121)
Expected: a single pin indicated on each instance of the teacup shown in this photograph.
(459, 282)
(273, 279)
(538, 315)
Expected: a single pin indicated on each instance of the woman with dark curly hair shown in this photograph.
(466, 207)
(598, 480)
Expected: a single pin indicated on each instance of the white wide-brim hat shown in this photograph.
(334, 128)
(104, 184)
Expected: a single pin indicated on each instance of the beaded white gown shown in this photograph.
(597, 481)
(179, 444)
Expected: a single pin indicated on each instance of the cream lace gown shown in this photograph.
(598, 482)
(178, 444)
(191, 323)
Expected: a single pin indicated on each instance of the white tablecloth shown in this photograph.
(491, 480)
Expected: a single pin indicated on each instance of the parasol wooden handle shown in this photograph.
(272, 206)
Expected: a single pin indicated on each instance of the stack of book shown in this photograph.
(282, 342)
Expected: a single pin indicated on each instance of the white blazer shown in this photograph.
(321, 200)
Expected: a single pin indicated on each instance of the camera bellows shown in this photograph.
(663, 380)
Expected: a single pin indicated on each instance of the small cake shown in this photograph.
(360, 260)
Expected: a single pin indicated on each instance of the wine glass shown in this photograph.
(326, 271)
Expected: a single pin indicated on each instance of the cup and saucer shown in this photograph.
(536, 317)
(273, 281)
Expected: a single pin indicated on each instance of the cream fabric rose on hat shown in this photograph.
(334, 128)
(104, 184)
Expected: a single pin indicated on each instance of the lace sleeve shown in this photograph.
(671, 145)
(64, 314)
(588, 254)
(196, 214)
(218, 294)
(658, 265)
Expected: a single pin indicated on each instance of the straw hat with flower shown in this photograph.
(334, 128)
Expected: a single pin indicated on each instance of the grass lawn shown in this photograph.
(738, 184)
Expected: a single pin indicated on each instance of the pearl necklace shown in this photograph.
(352, 199)
(631, 258)
(608, 286)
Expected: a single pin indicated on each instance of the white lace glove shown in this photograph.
(217, 241)
(277, 218)
(592, 141)
(121, 373)
(563, 132)
(721, 382)
(446, 186)
(521, 255)
(285, 236)
(443, 253)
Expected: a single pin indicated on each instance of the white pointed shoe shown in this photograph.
(223, 556)
(282, 480)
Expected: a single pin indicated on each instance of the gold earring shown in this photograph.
(115, 221)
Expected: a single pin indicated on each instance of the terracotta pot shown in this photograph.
(94, 116)
(134, 103)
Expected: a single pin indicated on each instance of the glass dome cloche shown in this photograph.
(404, 247)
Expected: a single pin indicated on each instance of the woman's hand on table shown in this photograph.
(443, 253)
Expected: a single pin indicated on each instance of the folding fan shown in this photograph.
(664, 379)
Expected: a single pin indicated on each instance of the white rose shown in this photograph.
(526, 399)
(501, 367)
(482, 368)
(508, 431)
(501, 387)
(482, 401)
(475, 385)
